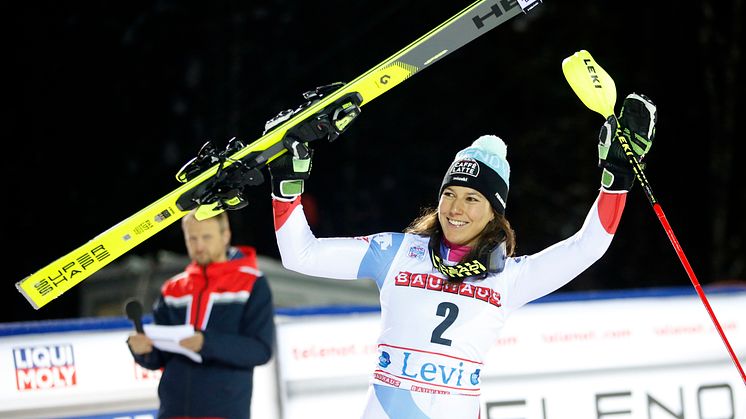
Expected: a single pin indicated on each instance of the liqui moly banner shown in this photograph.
(49, 371)
(43, 367)
(91, 374)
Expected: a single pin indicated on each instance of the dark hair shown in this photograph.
(498, 230)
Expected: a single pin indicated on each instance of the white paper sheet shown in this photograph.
(166, 338)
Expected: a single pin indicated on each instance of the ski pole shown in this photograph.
(596, 89)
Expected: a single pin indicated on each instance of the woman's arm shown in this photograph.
(302, 252)
(542, 273)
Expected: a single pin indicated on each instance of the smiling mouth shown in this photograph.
(457, 223)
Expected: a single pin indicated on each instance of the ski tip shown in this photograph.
(590, 82)
(20, 289)
(527, 5)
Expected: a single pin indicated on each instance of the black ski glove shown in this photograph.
(289, 171)
(637, 125)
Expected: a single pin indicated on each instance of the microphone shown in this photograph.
(133, 308)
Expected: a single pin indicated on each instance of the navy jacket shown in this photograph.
(231, 303)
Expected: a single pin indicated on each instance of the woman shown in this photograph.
(449, 282)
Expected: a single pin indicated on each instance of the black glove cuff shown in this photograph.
(616, 178)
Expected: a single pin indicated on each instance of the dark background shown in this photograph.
(108, 100)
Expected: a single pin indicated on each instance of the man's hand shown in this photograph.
(193, 343)
(140, 344)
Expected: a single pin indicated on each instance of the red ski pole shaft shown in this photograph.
(640, 174)
(697, 287)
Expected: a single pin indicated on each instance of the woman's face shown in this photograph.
(463, 213)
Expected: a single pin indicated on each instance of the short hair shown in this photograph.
(222, 219)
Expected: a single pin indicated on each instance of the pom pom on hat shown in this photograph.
(482, 166)
(492, 144)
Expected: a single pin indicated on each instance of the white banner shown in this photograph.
(621, 358)
(616, 334)
(624, 358)
(49, 371)
(74, 374)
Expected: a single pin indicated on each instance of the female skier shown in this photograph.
(450, 281)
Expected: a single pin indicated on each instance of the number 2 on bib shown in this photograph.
(450, 312)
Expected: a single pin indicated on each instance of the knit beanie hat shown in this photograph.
(482, 166)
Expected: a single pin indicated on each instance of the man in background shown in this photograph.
(227, 300)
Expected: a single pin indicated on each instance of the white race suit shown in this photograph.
(435, 334)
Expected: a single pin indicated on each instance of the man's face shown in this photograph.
(205, 241)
